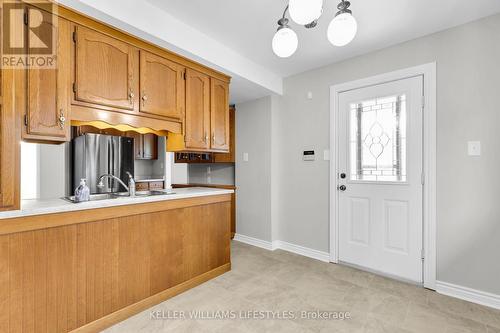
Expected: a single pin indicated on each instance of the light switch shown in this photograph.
(474, 148)
(245, 157)
(326, 155)
(310, 95)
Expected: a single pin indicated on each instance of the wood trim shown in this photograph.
(85, 114)
(12, 85)
(145, 304)
(37, 222)
(104, 28)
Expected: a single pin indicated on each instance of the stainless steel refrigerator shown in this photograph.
(96, 154)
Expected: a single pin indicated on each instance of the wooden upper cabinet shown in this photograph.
(149, 147)
(48, 90)
(228, 157)
(107, 71)
(145, 145)
(197, 122)
(219, 114)
(162, 86)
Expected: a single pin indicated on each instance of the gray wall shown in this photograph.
(253, 178)
(468, 213)
(222, 174)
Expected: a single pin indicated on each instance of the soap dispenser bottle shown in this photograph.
(82, 192)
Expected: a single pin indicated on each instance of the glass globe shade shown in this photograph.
(342, 29)
(305, 11)
(285, 42)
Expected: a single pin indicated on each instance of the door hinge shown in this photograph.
(423, 102)
(422, 254)
(26, 18)
(74, 88)
(74, 36)
(422, 178)
(185, 75)
(25, 120)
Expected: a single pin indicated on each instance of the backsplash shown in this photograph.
(222, 174)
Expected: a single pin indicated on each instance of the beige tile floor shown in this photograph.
(281, 282)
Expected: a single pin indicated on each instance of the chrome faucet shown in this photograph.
(131, 183)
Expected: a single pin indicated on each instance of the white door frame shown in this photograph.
(428, 72)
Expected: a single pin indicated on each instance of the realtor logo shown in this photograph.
(29, 35)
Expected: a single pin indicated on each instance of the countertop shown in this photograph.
(223, 186)
(41, 207)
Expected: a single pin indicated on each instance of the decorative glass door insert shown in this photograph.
(378, 144)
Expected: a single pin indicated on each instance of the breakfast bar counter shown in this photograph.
(92, 264)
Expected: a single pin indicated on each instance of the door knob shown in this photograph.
(342, 188)
(342, 175)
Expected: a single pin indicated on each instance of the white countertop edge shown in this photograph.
(51, 206)
(152, 180)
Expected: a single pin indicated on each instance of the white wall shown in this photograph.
(468, 221)
(45, 175)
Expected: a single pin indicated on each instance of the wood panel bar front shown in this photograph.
(90, 274)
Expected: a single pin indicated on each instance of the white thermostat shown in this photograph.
(308, 155)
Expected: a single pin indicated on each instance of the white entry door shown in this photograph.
(380, 178)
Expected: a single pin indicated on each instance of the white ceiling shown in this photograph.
(234, 36)
(248, 26)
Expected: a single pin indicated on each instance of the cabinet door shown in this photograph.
(228, 157)
(149, 147)
(197, 123)
(138, 144)
(48, 106)
(219, 115)
(107, 71)
(162, 86)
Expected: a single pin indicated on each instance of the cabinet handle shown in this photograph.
(206, 138)
(62, 119)
(144, 98)
(213, 138)
(131, 96)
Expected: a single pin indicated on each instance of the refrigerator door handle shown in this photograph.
(109, 166)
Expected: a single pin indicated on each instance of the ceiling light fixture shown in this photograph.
(305, 11)
(343, 27)
(341, 30)
(285, 41)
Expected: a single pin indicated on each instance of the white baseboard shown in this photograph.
(271, 246)
(468, 294)
(254, 241)
(303, 251)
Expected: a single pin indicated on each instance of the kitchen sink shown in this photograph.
(106, 196)
(151, 193)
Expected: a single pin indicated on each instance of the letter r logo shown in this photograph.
(28, 29)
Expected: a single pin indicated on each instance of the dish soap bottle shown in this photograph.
(82, 192)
